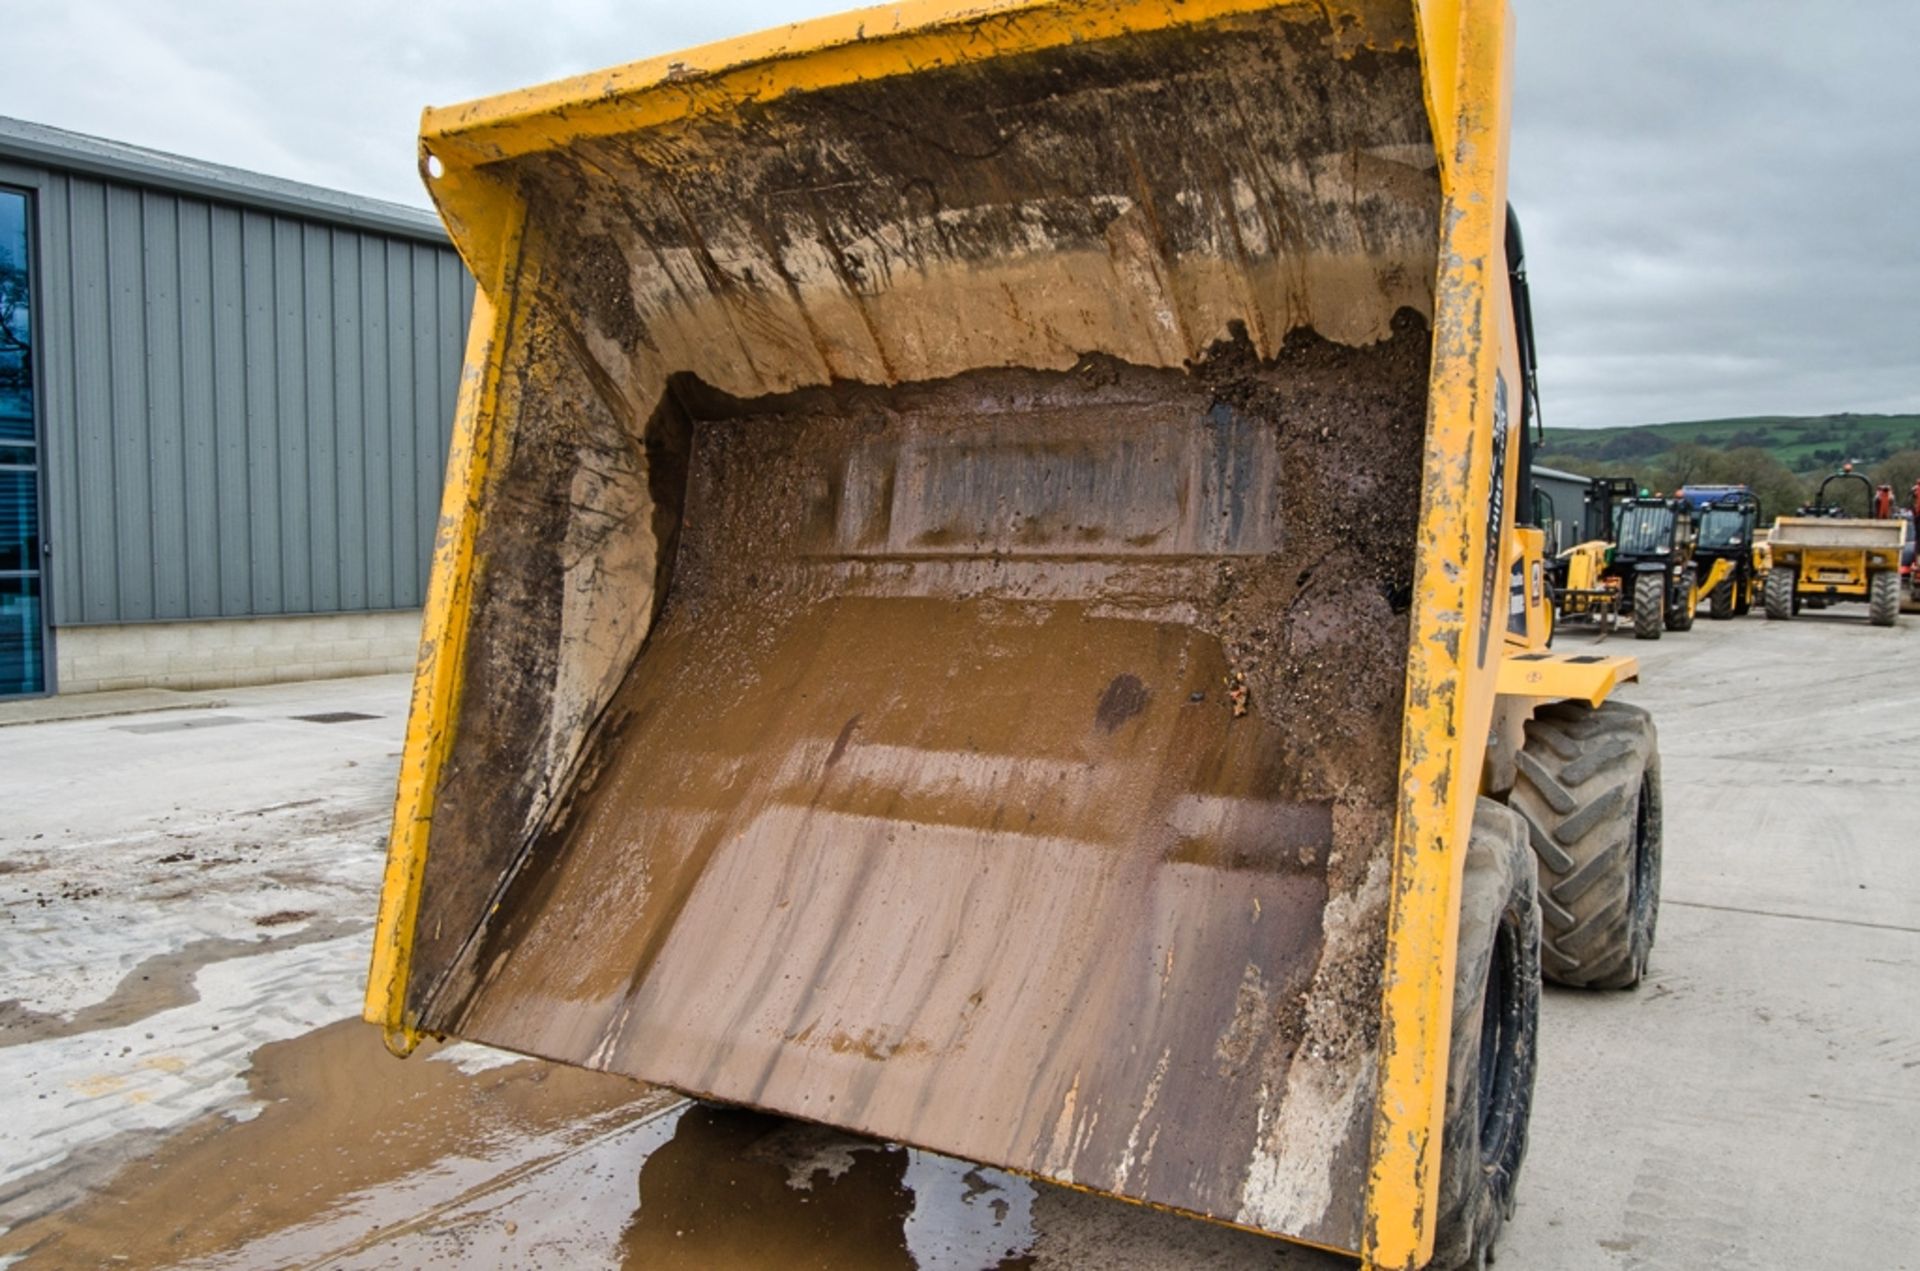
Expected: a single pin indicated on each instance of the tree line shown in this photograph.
(1780, 489)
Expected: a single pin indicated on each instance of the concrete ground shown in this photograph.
(186, 897)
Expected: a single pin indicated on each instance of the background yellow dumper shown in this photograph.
(979, 602)
(1823, 557)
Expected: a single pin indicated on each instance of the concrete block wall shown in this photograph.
(226, 652)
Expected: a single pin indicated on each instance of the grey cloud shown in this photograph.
(1719, 201)
(1722, 197)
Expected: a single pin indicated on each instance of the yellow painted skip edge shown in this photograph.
(822, 53)
(439, 676)
(1447, 697)
(864, 44)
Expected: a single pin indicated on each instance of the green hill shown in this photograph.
(1804, 443)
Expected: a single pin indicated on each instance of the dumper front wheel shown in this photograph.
(1883, 598)
(1496, 1008)
(1588, 786)
(1778, 594)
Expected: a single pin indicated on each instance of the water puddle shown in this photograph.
(356, 1160)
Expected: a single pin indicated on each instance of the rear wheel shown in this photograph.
(1490, 1066)
(1720, 604)
(1778, 595)
(1680, 613)
(1649, 605)
(1588, 786)
(1883, 598)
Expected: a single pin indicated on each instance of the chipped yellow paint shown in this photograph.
(1450, 693)
(437, 679)
(1440, 29)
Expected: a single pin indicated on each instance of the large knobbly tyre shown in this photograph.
(1680, 614)
(1883, 598)
(1588, 785)
(1778, 594)
(1490, 1065)
(1649, 605)
(1720, 606)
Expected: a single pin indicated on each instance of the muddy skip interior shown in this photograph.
(987, 724)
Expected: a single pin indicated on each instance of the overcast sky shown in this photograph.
(1721, 197)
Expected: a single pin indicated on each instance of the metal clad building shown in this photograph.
(1562, 511)
(241, 390)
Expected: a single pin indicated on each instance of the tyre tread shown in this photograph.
(1883, 598)
(1478, 1173)
(1649, 606)
(1777, 592)
(1578, 788)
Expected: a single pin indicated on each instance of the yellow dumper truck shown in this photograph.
(978, 601)
(1823, 557)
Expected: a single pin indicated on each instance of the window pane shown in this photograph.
(23, 653)
(1645, 531)
(16, 334)
(1722, 528)
(22, 657)
(19, 520)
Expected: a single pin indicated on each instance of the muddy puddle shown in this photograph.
(338, 1120)
(473, 1159)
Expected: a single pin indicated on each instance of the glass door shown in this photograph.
(23, 631)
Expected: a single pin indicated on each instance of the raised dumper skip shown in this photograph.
(979, 602)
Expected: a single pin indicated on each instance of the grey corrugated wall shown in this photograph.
(1569, 507)
(243, 412)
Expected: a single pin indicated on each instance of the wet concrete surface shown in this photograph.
(465, 1157)
(339, 1122)
(1752, 1105)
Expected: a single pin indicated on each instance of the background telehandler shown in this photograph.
(1582, 586)
(1638, 559)
(1728, 518)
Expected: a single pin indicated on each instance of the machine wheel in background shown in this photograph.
(1883, 598)
(1680, 614)
(1490, 1067)
(1588, 786)
(1778, 595)
(1720, 605)
(1649, 605)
